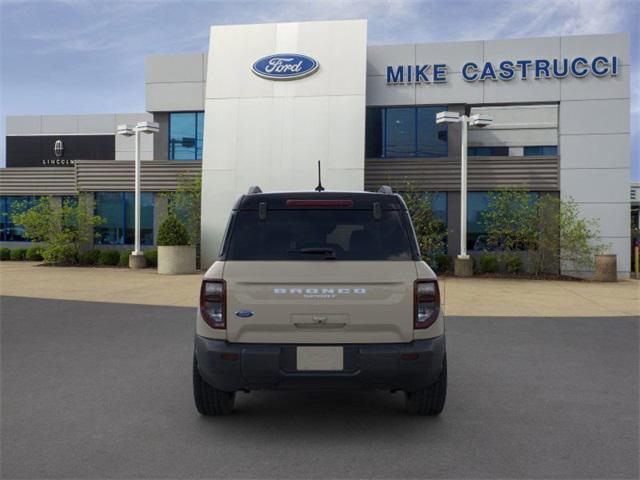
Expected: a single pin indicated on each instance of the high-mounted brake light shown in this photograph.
(426, 303)
(319, 203)
(213, 299)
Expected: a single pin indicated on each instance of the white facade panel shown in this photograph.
(175, 68)
(612, 219)
(594, 88)
(601, 185)
(379, 56)
(453, 54)
(515, 137)
(521, 49)
(521, 91)
(455, 90)
(594, 117)
(270, 133)
(23, 125)
(381, 94)
(173, 97)
(595, 151)
(590, 46)
(59, 124)
(98, 124)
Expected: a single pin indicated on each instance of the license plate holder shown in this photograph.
(319, 359)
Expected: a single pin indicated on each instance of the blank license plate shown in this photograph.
(319, 358)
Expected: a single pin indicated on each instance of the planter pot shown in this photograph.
(606, 268)
(176, 260)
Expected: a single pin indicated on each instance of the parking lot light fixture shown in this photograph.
(477, 120)
(136, 259)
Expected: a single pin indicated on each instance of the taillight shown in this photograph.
(426, 303)
(213, 303)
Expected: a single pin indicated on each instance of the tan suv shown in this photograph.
(319, 290)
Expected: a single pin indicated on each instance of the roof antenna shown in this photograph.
(319, 188)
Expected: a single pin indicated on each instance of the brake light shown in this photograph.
(426, 303)
(319, 203)
(213, 298)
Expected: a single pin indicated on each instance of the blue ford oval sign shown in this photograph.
(244, 313)
(285, 66)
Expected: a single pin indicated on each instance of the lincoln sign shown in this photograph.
(506, 70)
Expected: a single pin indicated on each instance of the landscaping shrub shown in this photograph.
(18, 254)
(513, 264)
(63, 227)
(124, 258)
(90, 257)
(34, 254)
(109, 257)
(489, 263)
(5, 254)
(61, 254)
(443, 263)
(172, 232)
(152, 258)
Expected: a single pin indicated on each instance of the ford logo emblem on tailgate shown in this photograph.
(284, 66)
(244, 313)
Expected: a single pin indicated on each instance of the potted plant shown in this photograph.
(175, 254)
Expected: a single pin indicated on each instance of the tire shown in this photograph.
(429, 400)
(210, 400)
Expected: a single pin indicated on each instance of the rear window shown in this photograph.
(319, 235)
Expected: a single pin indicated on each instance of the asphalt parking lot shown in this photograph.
(99, 390)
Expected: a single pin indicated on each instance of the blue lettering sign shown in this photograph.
(439, 73)
(507, 71)
(397, 76)
(467, 68)
(579, 67)
(285, 66)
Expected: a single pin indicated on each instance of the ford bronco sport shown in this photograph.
(319, 290)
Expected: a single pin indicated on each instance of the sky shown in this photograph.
(87, 56)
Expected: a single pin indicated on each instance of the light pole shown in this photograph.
(463, 264)
(136, 259)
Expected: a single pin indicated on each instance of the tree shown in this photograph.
(563, 237)
(63, 227)
(431, 231)
(184, 203)
(510, 220)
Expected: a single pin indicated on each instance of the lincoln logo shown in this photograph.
(58, 148)
(285, 66)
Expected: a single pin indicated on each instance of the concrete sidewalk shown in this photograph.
(462, 297)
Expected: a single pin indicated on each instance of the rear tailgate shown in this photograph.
(320, 301)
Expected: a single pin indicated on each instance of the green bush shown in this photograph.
(5, 254)
(513, 264)
(124, 258)
(443, 263)
(489, 263)
(34, 254)
(61, 254)
(18, 254)
(90, 257)
(109, 257)
(152, 258)
(172, 232)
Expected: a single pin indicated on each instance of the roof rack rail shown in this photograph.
(386, 189)
(254, 189)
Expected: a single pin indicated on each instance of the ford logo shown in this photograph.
(285, 66)
(244, 313)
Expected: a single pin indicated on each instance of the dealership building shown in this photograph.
(267, 101)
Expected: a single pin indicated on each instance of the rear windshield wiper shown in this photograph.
(329, 253)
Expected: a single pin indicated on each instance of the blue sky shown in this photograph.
(84, 56)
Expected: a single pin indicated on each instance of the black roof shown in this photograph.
(361, 200)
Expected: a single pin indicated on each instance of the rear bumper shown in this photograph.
(250, 366)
